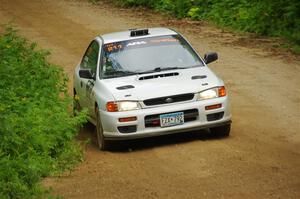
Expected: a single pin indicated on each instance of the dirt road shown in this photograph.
(261, 158)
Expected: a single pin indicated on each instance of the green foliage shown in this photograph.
(36, 128)
(267, 17)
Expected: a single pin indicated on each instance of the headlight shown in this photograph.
(212, 93)
(128, 106)
(122, 106)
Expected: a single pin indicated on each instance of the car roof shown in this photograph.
(125, 35)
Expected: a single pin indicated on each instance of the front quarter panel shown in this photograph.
(102, 95)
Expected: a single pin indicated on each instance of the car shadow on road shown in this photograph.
(87, 132)
(161, 141)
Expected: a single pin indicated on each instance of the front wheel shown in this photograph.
(76, 105)
(222, 131)
(102, 143)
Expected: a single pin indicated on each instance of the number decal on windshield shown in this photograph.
(113, 47)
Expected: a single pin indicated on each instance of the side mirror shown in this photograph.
(86, 73)
(210, 57)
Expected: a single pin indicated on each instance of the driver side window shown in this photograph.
(90, 58)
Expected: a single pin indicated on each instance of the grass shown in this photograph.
(37, 129)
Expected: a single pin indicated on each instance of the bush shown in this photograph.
(267, 17)
(36, 128)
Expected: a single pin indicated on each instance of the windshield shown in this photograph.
(147, 55)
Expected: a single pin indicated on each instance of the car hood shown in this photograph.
(159, 84)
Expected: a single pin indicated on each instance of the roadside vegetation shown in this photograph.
(279, 18)
(37, 128)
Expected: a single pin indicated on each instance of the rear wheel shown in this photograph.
(102, 143)
(222, 131)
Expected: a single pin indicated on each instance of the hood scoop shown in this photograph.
(158, 76)
(199, 77)
(125, 87)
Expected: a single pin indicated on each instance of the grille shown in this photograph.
(125, 87)
(169, 99)
(199, 77)
(154, 120)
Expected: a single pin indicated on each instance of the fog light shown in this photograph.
(215, 106)
(156, 122)
(127, 119)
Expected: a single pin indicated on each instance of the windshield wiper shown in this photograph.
(159, 69)
(121, 73)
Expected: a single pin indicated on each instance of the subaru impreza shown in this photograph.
(149, 82)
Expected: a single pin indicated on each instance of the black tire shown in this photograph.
(221, 131)
(76, 105)
(76, 110)
(101, 142)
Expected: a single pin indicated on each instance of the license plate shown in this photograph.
(171, 119)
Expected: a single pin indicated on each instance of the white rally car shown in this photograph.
(149, 82)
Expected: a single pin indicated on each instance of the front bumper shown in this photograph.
(110, 120)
